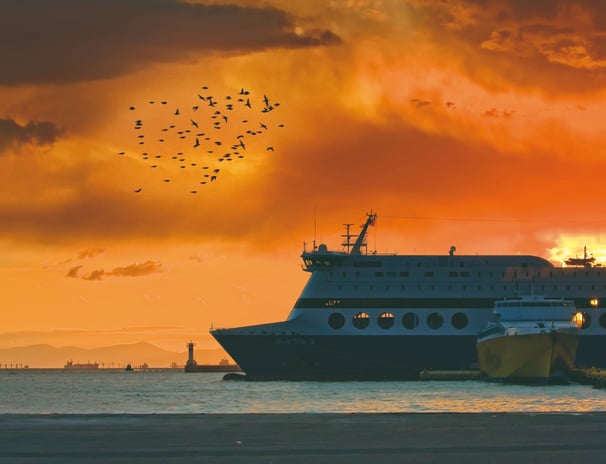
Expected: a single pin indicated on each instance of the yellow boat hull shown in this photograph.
(537, 357)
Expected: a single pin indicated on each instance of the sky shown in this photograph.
(474, 123)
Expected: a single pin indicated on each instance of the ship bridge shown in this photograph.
(322, 258)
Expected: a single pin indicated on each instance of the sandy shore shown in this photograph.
(303, 438)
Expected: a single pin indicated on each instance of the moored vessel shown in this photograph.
(76, 366)
(532, 340)
(367, 315)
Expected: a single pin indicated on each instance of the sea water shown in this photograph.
(108, 391)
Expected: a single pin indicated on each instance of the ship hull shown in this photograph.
(535, 358)
(323, 357)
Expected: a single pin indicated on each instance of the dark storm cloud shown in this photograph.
(38, 133)
(65, 41)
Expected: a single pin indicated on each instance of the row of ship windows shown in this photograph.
(386, 320)
(410, 320)
(515, 286)
(456, 274)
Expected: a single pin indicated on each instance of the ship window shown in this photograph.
(429, 274)
(336, 320)
(404, 274)
(435, 320)
(459, 321)
(344, 274)
(586, 321)
(453, 274)
(465, 274)
(379, 274)
(385, 320)
(361, 320)
(391, 274)
(410, 320)
(603, 321)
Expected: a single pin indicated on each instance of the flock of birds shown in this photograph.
(205, 136)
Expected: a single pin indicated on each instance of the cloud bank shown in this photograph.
(67, 41)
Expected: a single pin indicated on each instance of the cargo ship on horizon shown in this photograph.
(366, 315)
(70, 365)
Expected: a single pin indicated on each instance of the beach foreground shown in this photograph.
(303, 438)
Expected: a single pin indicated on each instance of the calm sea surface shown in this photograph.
(33, 391)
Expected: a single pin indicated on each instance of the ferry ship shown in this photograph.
(532, 340)
(364, 315)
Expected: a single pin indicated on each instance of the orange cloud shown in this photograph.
(133, 270)
(90, 253)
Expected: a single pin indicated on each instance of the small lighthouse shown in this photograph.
(190, 354)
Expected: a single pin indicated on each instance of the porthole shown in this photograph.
(603, 321)
(410, 320)
(459, 321)
(586, 321)
(336, 320)
(385, 320)
(435, 320)
(361, 320)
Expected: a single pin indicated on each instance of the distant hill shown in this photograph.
(48, 356)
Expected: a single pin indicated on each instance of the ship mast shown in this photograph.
(356, 248)
(347, 236)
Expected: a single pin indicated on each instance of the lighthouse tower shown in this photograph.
(190, 354)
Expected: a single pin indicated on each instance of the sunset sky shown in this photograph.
(478, 124)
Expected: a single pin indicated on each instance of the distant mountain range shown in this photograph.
(136, 354)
